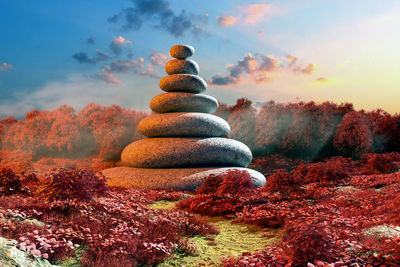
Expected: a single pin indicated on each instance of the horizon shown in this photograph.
(114, 53)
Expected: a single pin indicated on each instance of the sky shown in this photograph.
(75, 52)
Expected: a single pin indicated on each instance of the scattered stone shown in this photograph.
(183, 178)
(383, 231)
(181, 66)
(183, 102)
(183, 83)
(181, 51)
(175, 152)
(184, 124)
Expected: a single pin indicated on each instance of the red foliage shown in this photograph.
(95, 132)
(380, 163)
(306, 242)
(353, 135)
(220, 194)
(10, 183)
(70, 184)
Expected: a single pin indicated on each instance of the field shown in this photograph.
(332, 196)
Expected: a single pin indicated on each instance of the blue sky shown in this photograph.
(343, 51)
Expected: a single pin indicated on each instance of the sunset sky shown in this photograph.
(113, 52)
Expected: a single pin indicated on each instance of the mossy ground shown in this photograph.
(233, 239)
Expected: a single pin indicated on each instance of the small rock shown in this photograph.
(181, 51)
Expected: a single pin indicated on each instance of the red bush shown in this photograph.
(69, 184)
(10, 183)
(380, 163)
(353, 135)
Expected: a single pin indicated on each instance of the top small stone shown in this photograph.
(181, 51)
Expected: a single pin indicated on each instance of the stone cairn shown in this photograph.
(185, 143)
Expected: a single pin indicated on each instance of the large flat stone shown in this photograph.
(173, 152)
(184, 124)
(183, 83)
(177, 178)
(181, 66)
(181, 51)
(183, 102)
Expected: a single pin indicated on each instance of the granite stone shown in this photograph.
(177, 178)
(181, 51)
(181, 66)
(167, 152)
(183, 102)
(183, 83)
(184, 124)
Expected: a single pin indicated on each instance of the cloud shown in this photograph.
(159, 11)
(226, 21)
(107, 74)
(82, 57)
(91, 40)
(118, 44)
(297, 68)
(261, 32)
(158, 59)
(259, 69)
(254, 13)
(6, 67)
(322, 80)
(249, 15)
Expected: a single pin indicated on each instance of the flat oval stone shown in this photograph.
(181, 66)
(183, 83)
(176, 178)
(183, 102)
(173, 152)
(181, 51)
(184, 124)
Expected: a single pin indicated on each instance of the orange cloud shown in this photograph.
(249, 15)
(254, 13)
(322, 80)
(260, 69)
(227, 21)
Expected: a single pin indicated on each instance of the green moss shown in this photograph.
(234, 239)
(163, 205)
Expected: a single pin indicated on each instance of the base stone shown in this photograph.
(178, 178)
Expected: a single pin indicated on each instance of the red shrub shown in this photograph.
(380, 163)
(68, 184)
(9, 182)
(281, 181)
(306, 243)
(353, 135)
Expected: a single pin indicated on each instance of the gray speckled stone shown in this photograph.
(183, 83)
(181, 66)
(184, 124)
(186, 152)
(183, 102)
(181, 51)
(177, 178)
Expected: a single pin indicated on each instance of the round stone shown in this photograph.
(181, 66)
(173, 152)
(183, 83)
(183, 102)
(181, 51)
(176, 178)
(184, 124)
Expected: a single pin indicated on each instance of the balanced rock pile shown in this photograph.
(185, 143)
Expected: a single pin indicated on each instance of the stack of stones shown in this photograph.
(185, 143)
